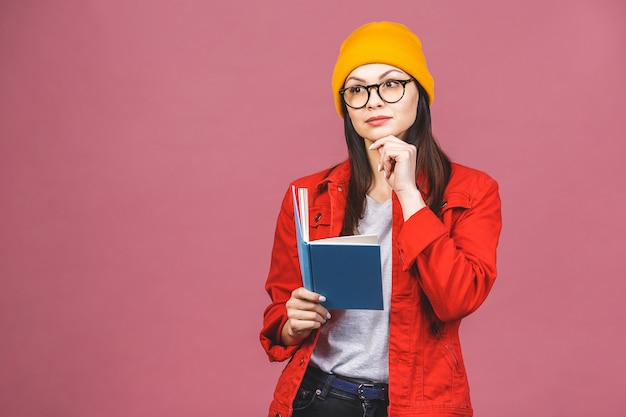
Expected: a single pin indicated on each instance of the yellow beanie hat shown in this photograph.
(382, 43)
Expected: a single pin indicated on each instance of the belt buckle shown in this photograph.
(360, 391)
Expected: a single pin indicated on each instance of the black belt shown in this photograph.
(364, 391)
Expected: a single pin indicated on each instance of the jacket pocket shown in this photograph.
(453, 358)
(319, 222)
(446, 347)
(306, 395)
(453, 207)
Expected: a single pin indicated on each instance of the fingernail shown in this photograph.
(370, 147)
(322, 298)
(379, 167)
(328, 316)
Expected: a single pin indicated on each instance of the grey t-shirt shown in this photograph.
(354, 343)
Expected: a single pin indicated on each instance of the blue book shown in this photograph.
(346, 270)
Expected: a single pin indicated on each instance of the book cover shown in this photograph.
(346, 270)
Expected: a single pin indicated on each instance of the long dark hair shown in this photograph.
(433, 165)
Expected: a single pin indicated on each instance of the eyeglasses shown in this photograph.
(390, 91)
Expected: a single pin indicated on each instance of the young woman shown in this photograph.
(438, 224)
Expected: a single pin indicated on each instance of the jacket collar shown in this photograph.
(337, 175)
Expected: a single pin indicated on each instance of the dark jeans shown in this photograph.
(318, 399)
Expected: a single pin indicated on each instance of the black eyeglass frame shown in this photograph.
(368, 88)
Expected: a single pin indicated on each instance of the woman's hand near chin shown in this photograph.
(398, 166)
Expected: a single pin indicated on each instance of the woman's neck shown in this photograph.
(380, 190)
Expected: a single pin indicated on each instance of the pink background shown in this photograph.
(145, 146)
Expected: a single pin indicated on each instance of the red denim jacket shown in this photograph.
(442, 270)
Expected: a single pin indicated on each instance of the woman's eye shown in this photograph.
(357, 89)
(391, 83)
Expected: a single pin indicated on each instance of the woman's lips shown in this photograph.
(377, 120)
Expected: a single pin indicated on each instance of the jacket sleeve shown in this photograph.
(456, 257)
(284, 277)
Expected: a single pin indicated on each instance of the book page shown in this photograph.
(303, 203)
(348, 240)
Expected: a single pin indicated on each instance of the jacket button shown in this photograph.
(339, 189)
(277, 415)
(318, 217)
(301, 361)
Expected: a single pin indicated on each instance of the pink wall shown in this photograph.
(145, 146)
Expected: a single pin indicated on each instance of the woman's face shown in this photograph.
(378, 118)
